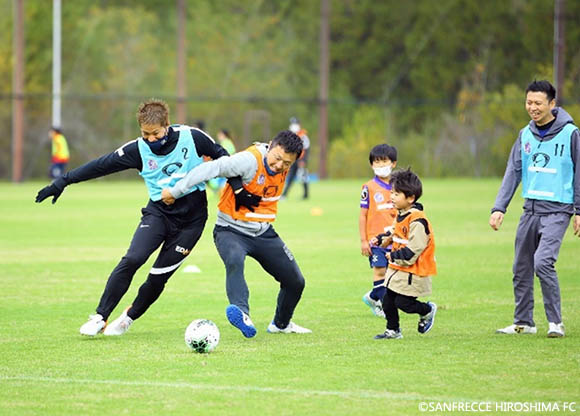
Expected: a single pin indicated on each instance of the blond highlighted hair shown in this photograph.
(153, 111)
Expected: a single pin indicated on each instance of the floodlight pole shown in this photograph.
(559, 44)
(18, 91)
(56, 63)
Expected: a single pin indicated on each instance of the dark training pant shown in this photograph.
(394, 301)
(152, 232)
(275, 258)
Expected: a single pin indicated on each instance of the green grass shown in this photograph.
(55, 260)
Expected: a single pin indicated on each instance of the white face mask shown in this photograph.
(383, 171)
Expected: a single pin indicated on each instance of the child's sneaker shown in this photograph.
(555, 330)
(426, 321)
(93, 326)
(517, 329)
(390, 334)
(120, 325)
(375, 305)
(292, 328)
(241, 321)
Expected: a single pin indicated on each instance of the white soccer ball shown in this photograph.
(202, 335)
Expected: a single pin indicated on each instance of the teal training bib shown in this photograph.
(164, 171)
(547, 167)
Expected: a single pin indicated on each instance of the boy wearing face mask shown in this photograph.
(163, 154)
(377, 215)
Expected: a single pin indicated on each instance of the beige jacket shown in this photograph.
(406, 283)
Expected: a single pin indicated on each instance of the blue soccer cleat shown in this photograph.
(241, 321)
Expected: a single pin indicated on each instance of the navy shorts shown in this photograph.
(377, 258)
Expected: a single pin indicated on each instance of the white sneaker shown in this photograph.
(517, 329)
(390, 334)
(292, 328)
(426, 322)
(120, 325)
(555, 330)
(375, 305)
(93, 326)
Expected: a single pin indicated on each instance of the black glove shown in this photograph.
(383, 236)
(246, 199)
(54, 190)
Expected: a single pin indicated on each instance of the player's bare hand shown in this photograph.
(576, 225)
(166, 197)
(496, 219)
(365, 248)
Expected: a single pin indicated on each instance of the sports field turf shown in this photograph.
(55, 260)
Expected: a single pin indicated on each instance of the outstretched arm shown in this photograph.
(125, 157)
(242, 164)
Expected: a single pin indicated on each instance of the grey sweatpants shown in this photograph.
(538, 241)
(270, 251)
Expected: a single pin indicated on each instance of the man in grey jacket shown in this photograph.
(249, 231)
(545, 159)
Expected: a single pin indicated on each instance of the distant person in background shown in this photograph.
(60, 153)
(545, 158)
(162, 155)
(377, 214)
(200, 124)
(225, 141)
(299, 169)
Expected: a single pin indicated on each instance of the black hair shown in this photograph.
(542, 86)
(406, 182)
(56, 130)
(289, 141)
(382, 152)
(226, 133)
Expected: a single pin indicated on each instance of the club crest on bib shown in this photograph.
(379, 197)
(151, 164)
(261, 179)
(527, 148)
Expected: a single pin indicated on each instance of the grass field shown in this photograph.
(55, 260)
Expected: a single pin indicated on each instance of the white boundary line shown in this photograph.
(365, 394)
